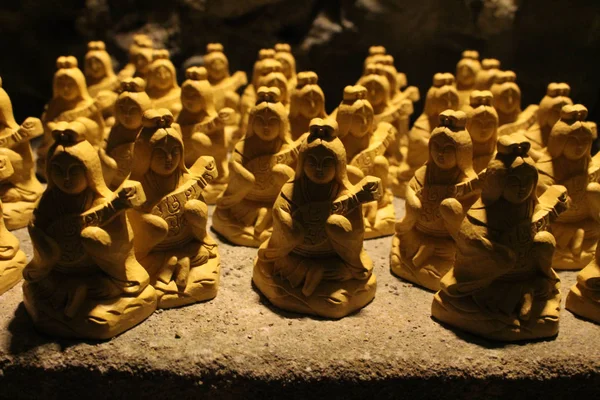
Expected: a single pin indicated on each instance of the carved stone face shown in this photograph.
(361, 122)
(216, 69)
(141, 62)
(267, 124)
(518, 187)
(319, 165)
(129, 113)
(445, 99)
(577, 146)
(311, 104)
(162, 77)
(166, 156)
(191, 99)
(68, 174)
(443, 152)
(375, 92)
(465, 74)
(94, 68)
(67, 88)
(482, 127)
(509, 99)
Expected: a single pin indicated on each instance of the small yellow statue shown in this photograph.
(102, 82)
(20, 190)
(283, 54)
(365, 144)
(161, 83)
(507, 102)
(567, 161)
(70, 101)
(441, 96)
(307, 101)
(466, 74)
(261, 163)
(276, 78)
(486, 75)
(584, 297)
(129, 108)
(482, 125)
(170, 236)
(140, 57)
(422, 249)
(502, 285)
(557, 96)
(203, 129)
(84, 280)
(374, 53)
(314, 263)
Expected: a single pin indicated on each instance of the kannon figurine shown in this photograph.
(307, 101)
(101, 80)
(276, 78)
(423, 250)
(283, 54)
(161, 83)
(482, 125)
(70, 101)
(84, 280)
(20, 190)
(365, 145)
(567, 161)
(466, 73)
(441, 96)
(140, 57)
(131, 104)
(486, 75)
(557, 96)
(203, 129)
(12, 259)
(502, 285)
(261, 163)
(170, 236)
(507, 102)
(584, 297)
(314, 263)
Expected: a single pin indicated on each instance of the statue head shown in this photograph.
(485, 76)
(132, 102)
(572, 136)
(140, 53)
(277, 79)
(355, 114)
(467, 69)
(98, 64)
(216, 63)
(441, 96)
(161, 73)
(196, 92)
(69, 82)
(283, 54)
(268, 118)
(482, 118)
(507, 95)
(307, 99)
(450, 145)
(377, 85)
(557, 96)
(374, 52)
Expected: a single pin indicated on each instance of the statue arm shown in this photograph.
(413, 208)
(46, 255)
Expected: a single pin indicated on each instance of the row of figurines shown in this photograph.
(104, 261)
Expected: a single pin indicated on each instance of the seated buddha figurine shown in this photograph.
(70, 101)
(161, 83)
(170, 236)
(365, 145)
(557, 96)
(307, 101)
(482, 125)
(84, 280)
(140, 57)
(20, 190)
(102, 82)
(584, 297)
(131, 104)
(314, 263)
(507, 102)
(283, 54)
(422, 249)
(486, 75)
(259, 166)
(203, 129)
(466, 73)
(502, 285)
(567, 161)
(441, 96)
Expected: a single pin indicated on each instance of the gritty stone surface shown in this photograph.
(238, 346)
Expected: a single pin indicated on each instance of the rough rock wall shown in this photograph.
(542, 40)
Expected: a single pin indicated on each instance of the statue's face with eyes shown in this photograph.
(216, 68)
(578, 145)
(166, 156)
(267, 124)
(443, 152)
(163, 78)
(311, 104)
(319, 165)
(67, 88)
(129, 113)
(141, 62)
(519, 186)
(362, 120)
(68, 174)
(191, 99)
(482, 127)
(94, 68)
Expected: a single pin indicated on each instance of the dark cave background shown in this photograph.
(541, 40)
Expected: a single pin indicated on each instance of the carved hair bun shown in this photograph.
(505, 76)
(196, 73)
(322, 128)
(161, 54)
(490, 63)
(266, 53)
(142, 40)
(480, 98)
(455, 120)
(442, 79)
(157, 118)
(96, 45)
(471, 54)
(353, 93)
(516, 145)
(268, 95)
(558, 89)
(68, 133)
(573, 113)
(307, 78)
(134, 85)
(65, 62)
(283, 48)
(377, 50)
(214, 48)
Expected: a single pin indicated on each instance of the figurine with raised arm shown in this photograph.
(140, 57)
(84, 280)
(507, 102)
(365, 144)
(502, 285)
(423, 250)
(466, 74)
(102, 82)
(567, 161)
(307, 102)
(161, 83)
(314, 263)
(482, 125)
(170, 236)
(260, 164)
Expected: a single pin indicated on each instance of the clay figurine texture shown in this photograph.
(502, 285)
(423, 250)
(307, 101)
(161, 83)
(20, 190)
(84, 280)
(584, 297)
(314, 263)
(567, 161)
(169, 228)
